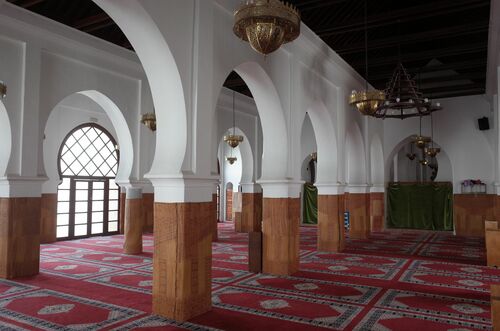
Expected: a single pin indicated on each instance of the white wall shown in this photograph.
(44, 62)
(471, 152)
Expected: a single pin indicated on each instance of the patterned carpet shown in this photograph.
(401, 280)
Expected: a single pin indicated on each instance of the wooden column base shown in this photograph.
(48, 220)
(377, 211)
(358, 207)
(134, 223)
(331, 237)
(251, 212)
(19, 237)
(495, 306)
(237, 221)
(148, 206)
(182, 260)
(121, 221)
(215, 218)
(280, 228)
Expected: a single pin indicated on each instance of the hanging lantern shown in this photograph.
(367, 102)
(149, 120)
(233, 140)
(231, 159)
(432, 151)
(266, 24)
(421, 141)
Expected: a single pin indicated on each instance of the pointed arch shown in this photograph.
(5, 139)
(356, 160)
(377, 169)
(272, 120)
(164, 79)
(326, 141)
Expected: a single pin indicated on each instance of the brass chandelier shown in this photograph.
(266, 24)
(233, 140)
(149, 120)
(367, 102)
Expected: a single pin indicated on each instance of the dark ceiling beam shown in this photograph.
(28, 3)
(98, 26)
(423, 55)
(404, 15)
(88, 21)
(304, 6)
(437, 79)
(449, 32)
(451, 88)
(458, 94)
(455, 66)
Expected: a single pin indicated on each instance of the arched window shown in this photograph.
(88, 195)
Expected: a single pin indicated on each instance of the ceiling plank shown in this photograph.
(91, 20)
(448, 32)
(28, 3)
(405, 15)
(423, 55)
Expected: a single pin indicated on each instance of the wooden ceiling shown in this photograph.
(442, 43)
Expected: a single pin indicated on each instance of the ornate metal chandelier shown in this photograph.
(3, 90)
(367, 101)
(403, 98)
(149, 120)
(266, 24)
(233, 140)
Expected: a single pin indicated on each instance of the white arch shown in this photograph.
(123, 136)
(326, 141)
(356, 160)
(442, 157)
(122, 132)
(377, 162)
(272, 120)
(164, 79)
(5, 139)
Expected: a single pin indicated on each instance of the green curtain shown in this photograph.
(427, 206)
(310, 204)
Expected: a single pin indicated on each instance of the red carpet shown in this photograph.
(401, 280)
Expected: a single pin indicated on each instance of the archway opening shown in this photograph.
(87, 198)
(416, 198)
(309, 201)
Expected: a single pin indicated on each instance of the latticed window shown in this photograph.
(88, 195)
(89, 151)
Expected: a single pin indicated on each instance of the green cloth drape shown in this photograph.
(427, 206)
(310, 204)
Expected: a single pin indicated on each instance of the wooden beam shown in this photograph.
(409, 14)
(91, 20)
(28, 3)
(437, 79)
(423, 55)
(452, 88)
(448, 32)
